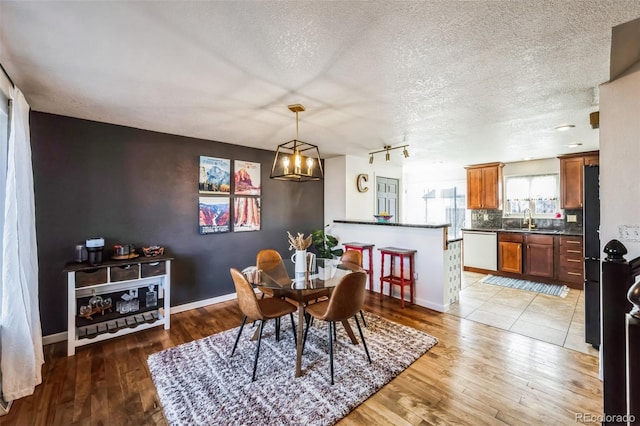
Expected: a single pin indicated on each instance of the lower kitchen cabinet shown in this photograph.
(539, 255)
(510, 252)
(571, 260)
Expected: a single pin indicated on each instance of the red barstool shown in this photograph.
(401, 254)
(361, 247)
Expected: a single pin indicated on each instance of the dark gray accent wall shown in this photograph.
(141, 187)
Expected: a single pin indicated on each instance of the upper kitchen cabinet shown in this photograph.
(571, 177)
(484, 186)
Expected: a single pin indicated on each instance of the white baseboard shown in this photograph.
(428, 304)
(54, 338)
(202, 303)
(60, 337)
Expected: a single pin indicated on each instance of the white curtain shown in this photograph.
(20, 330)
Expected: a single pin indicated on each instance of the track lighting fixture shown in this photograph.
(387, 155)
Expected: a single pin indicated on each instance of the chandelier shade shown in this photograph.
(296, 160)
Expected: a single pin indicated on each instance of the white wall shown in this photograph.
(342, 199)
(335, 188)
(620, 158)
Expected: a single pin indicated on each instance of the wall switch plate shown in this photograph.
(572, 218)
(133, 292)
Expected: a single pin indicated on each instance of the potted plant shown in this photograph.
(326, 251)
(325, 245)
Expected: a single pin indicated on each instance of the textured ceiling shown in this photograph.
(461, 82)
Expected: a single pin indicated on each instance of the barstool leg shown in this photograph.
(401, 281)
(381, 275)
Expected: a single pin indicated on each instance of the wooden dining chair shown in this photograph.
(261, 310)
(355, 257)
(346, 300)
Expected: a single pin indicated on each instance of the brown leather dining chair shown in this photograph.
(355, 257)
(345, 302)
(261, 310)
(271, 261)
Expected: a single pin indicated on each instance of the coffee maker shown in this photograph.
(95, 247)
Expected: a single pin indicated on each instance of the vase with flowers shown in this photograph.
(300, 244)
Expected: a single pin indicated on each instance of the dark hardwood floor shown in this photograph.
(475, 375)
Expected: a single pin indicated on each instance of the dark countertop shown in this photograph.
(526, 231)
(406, 225)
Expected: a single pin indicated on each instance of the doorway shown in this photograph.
(387, 196)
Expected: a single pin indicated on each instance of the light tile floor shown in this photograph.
(551, 319)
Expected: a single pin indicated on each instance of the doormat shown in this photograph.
(550, 289)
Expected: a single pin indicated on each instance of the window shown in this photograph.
(539, 193)
(446, 205)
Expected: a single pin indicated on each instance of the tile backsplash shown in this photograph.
(492, 219)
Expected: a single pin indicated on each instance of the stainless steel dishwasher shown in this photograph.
(480, 249)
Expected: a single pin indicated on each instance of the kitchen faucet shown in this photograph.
(527, 219)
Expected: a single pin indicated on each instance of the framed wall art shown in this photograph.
(246, 212)
(213, 215)
(246, 178)
(214, 175)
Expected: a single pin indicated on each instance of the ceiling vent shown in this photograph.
(594, 119)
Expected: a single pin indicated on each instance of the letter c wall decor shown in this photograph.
(360, 180)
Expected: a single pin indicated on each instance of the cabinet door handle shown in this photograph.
(574, 273)
(573, 242)
(573, 260)
(573, 251)
(154, 263)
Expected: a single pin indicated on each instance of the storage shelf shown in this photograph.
(114, 315)
(102, 281)
(114, 326)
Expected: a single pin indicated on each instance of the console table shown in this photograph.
(131, 278)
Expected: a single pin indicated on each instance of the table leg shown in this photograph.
(347, 327)
(300, 337)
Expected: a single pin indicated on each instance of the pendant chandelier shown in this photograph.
(296, 160)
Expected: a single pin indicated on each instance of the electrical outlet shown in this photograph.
(133, 292)
(572, 218)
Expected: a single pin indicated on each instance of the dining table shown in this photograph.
(320, 274)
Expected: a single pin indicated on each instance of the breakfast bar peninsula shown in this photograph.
(437, 269)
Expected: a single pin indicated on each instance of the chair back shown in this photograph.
(270, 261)
(246, 296)
(352, 256)
(347, 297)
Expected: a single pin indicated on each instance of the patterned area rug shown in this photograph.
(198, 383)
(553, 290)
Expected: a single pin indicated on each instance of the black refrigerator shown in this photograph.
(591, 228)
